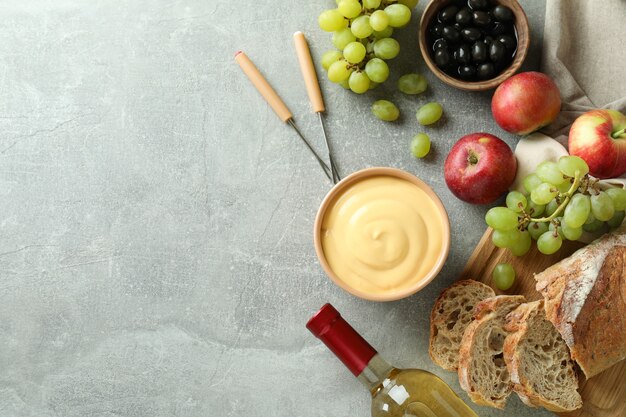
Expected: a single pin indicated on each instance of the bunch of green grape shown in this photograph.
(362, 35)
(561, 201)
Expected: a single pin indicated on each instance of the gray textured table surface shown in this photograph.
(156, 253)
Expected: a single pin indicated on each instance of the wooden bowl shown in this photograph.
(523, 39)
(338, 190)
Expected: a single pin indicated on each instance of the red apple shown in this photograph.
(526, 102)
(480, 168)
(599, 138)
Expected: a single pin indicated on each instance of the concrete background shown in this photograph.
(156, 253)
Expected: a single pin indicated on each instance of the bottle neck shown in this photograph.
(376, 371)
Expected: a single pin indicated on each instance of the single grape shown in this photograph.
(349, 8)
(571, 233)
(590, 218)
(549, 171)
(359, 82)
(618, 195)
(616, 220)
(330, 57)
(543, 193)
(522, 243)
(399, 15)
(594, 226)
(537, 229)
(564, 187)
(570, 164)
(377, 70)
(602, 206)
(501, 218)
(339, 71)
(409, 3)
(516, 201)
(577, 210)
(420, 145)
(429, 113)
(503, 276)
(361, 27)
(535, 209)
(385, 110)
(379, 20)
(331, 20)
(551, 207)
(383, 33)
(354, 52)
(387, 48)
(531, 182)
(371, 4)
(549, 242)
(343, 37)
(412, 84)
(504, 238)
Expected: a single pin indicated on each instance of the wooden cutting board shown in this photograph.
(603, 395)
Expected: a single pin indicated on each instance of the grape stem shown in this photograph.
(561, 207)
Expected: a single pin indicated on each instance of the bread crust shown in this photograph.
(585, 299)
(483, 313)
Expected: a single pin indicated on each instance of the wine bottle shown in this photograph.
(395, 392)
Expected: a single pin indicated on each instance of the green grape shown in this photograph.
(501, 218)
(521, 244)
(409, 3)
(330, 57)
(516, 201)
(331, 20)
(339, 71)
(354, 52)
(537, 229)
(379, 20)
(535, 209)
(420, 145)
(590, 218)
(618, 195)
(543, 193)
(429, 113)
(504, 238)
(549, 171)
(399, 15)
(503, 276)
(564, 187)
(570, 164)
(359, 82)
(373, 85)
(531, 181)
(349, 8)
(548, 243)
(577, 210)
(571, 233)
(616, 220)
(387, 48)
(556, 226)
(602, 206)
(385, 110)
(383, 33)
(412, 84)
(377, 70)
(371, 4)
(361, 27)
(551, 207)
(345, 84)
(594, 226)
(343, 37)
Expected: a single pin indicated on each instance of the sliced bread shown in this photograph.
(449, 318)
(482, 371)
(538, 360)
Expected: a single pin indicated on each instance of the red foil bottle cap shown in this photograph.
(328, 325)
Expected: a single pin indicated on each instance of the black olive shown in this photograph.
(471, 34)
(440, 43)
(486, 70)
(451, 33)
(479, 52)
(508, 41)
(464, 16)
(463, 54)
(447, 14)
(481, 18)
(501, 28)
(437, 29)
(467, 71)
(488, 39)
(496, 51)
(458, 26)
(502, 13)
(442, 57)
(478, 4)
